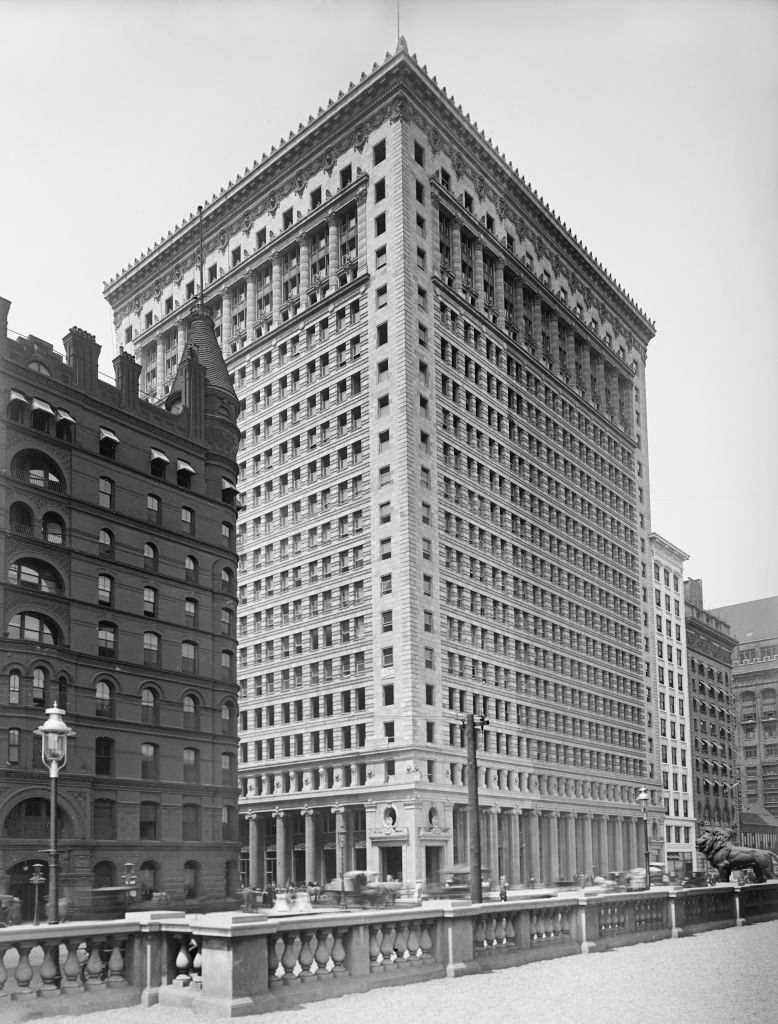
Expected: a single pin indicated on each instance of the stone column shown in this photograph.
(572, 867)
(587, 865)
(276, 287)
(305, 269)
(569, 362)
(534, 867)
(434, 255)
(339, 811)
(600, 374)
(251, 304)
(478, 274)
(332, 251)
(499, 291)
(456, 252)
(160, 365)
(553, 848)
(255, 873)
(554, 340)
(180, 338)
(494, 855)
(226, 320)
(537, 322)
(619, 849)
(627, 394)
(586, 369)
(362, 231)
(282, 869)
(311, 851)
(514, 845)
(603, 867)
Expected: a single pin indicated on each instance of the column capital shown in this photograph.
(307, 812)
(362, 196)
(479, 243)
(493, 811)
(338, 809)
(251, 815)
(434, 199)
(277, 813)
(301, 236)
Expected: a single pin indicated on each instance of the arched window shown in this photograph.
(228, 717)
(105, 590)
(106, 544)
(187, 519)
(191, 765)
(150, 876)
(228, 581)
(150, 557)
(38, 367)
(53, 529)
(104, 819)
(33, 628)
(149, 761)
(190, 612)
(151, 649)
(190, 569)
(153, 508)
(38, 688)
(103, 699)
(191, 870)
(106, 492)
(150, 602)
(149, 820)
(104, 872)
(189, 657)
(33, 574)
(106, 640)
(104, 747)
(191, 708)
(14, 686)
(149, 706)
(21, 519)
(38, 469)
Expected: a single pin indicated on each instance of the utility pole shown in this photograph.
(473, 811)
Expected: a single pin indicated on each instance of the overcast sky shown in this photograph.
(649, 127)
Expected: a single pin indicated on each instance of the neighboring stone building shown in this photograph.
(710, 645)
(672, 712)
(118, 600)
(755, 681)
(444, 467)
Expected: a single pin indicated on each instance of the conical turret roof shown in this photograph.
(202, 341)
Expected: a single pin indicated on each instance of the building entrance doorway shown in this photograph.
(432, 864)
(392, 863)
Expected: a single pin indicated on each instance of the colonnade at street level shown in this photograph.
(415, 842)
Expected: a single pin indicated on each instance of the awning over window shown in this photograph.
(108, 435)
(38, 405)
(17, 396)
(228, 485)
(158, 456)
(64, 415)
(182, 464)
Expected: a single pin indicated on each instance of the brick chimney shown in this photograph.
(127, 379)
(83, 353)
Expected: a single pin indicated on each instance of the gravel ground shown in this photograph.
(719, 977)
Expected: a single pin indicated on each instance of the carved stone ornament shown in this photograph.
(459, 164)
(434, 141)
(521, 229)
(178, 273)
(359, 138)
(157, 290)
(329, 159)
(246, 224)
(272, 202)
(480, 186)
(398, 110)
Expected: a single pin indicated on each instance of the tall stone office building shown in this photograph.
(444, 479)
(118, 602)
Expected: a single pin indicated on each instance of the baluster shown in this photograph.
(490, 928)
(116, 978)
(413, 944)
(387, 946)
(306, 956)
(3, 972)
(479, 934)
(510, 930)
(93, 969)
(533, 925)
(499, 931)
(50, 969)
(324, 943)
(289, 958)
(72, 983)
(24, 971)
(275, 949)
(426, 940)
(197, 964)
(376, 935)
(183, 963)
(401, 944)
(339, 953)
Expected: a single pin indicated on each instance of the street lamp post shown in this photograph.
(643, 801)
(37, 878)
(473, 810)
(54, 736)
(341, 838)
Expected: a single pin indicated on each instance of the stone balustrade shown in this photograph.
(230, 964)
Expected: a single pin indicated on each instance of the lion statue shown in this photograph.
(715, 844)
